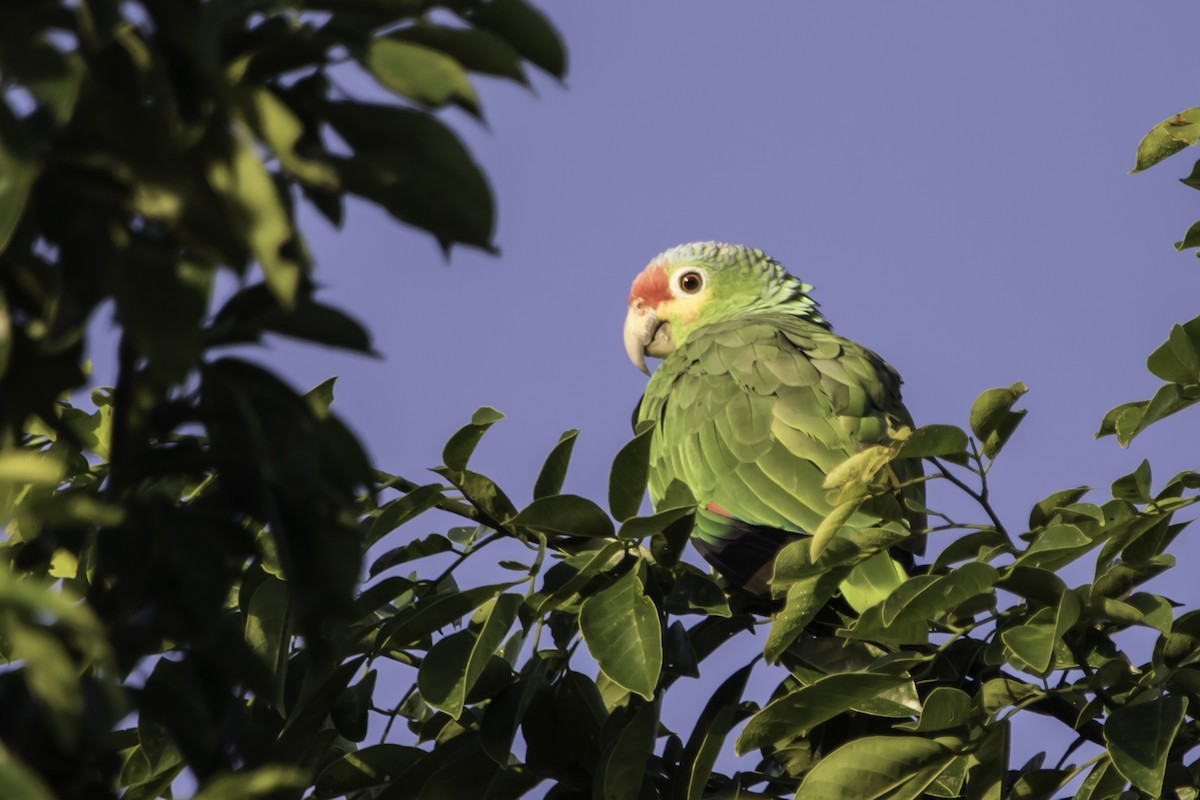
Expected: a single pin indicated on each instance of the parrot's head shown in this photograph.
(696, 284)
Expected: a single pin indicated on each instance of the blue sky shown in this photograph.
(950, 176)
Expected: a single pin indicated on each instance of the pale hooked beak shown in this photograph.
(645, 335)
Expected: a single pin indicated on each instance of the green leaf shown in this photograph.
(621, 628)
(429, 545)
(903, 617)
(18, 780)
(464, 441)
(366, 768)
(416, 169)
(162, 304)
(717, 719)
(259, 213)
(1044, 510)
(279, 127)
(263, 782)
(554, 471)
(627, 742)
(1129, 419)
(1134, 487)
(641, 527)
(584, 567)
(455, 663)
(266, 630)
(1167, 138)
(566, 514)
(796, 714)
(399, 511)
(320, 397)
(1055, 546)
(805, 597)
(419, 73)
(832, 525)
(1033, 643)
(877, 767)
(852, 477)
(1177, 360)
(872, 581)
(992, 418)
(51, 674)
(27, 466)
(18, 170)
(414, 623)
(476, 49)
(693, 593)
(1000, 693)
(1138, 609)
(945, 707)
(931, 441)
(526, 29)
(1102, 782)
(630, 470)
(1139, 737)
(254, 311)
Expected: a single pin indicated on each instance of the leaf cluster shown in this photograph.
(181, 562)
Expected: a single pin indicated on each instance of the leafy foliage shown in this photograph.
(182, 577)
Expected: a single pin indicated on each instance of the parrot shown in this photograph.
(755, 402)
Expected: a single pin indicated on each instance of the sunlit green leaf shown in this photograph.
(1167, 138)
(798, 713)
(621, 627)
(877, 767)
(933, 440)
(992, 418)
(419, 73)
(27, 466)
(456, 662)
(260, 216)
(262, 782)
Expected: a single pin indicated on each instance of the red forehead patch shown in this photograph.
(651, 285)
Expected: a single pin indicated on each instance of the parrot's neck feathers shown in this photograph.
(790, 295)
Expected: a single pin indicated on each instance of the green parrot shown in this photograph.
(756, 401)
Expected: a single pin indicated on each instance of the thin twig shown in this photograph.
(976, 496)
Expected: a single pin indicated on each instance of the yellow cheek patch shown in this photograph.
(684, 309)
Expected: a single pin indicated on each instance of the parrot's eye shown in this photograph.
(691, 282)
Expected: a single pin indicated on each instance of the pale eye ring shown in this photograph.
(690, 281)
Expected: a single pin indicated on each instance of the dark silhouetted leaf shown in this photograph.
(1139, 737)
(462, 444)
(554, 471)
(630, 470)
(566, 514)
(717, 719)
